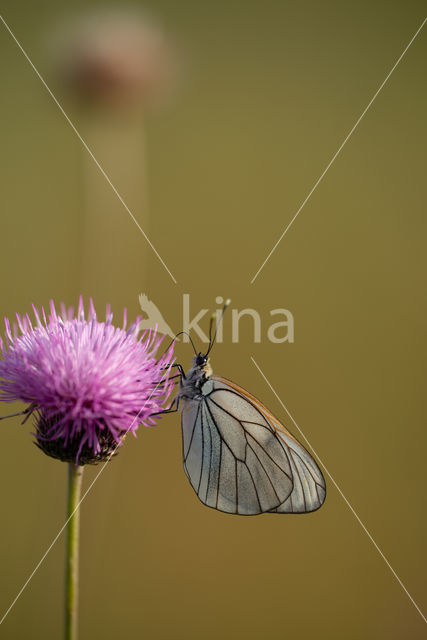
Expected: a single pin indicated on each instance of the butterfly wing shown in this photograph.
(309, 488)
(233, 459)
(240, 459)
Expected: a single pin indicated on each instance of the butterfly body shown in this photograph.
(238, 457)
(191, 384)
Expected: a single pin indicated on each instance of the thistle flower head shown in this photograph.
(87, 382)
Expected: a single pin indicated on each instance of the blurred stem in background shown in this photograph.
(75, 475)
(114, 252)
(118, 65)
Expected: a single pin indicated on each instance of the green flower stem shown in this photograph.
(75, 475)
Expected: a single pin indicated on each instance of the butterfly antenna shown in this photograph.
(180, 334)
(211, 321)
(212, 340)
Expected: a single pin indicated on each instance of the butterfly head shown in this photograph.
(201, 369)
(201, 362)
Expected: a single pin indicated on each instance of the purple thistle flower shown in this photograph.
(87, 382)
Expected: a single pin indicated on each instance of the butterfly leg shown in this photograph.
(26, 412)
(12, 415)
(175, 402)
(179, 367)
(180, 375)
(157, 384)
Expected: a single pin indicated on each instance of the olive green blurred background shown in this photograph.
(268, 92)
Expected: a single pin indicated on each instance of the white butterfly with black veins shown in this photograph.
(238, 457)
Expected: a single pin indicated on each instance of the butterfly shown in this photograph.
(237, 456)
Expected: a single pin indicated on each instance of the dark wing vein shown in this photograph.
(203, 451)
(192, 436)
(264, 469)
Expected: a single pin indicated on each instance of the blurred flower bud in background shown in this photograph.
(115, 58)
